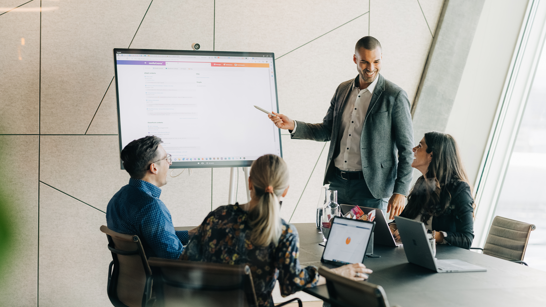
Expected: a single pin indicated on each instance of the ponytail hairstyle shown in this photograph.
(429, 196)
(269, 176)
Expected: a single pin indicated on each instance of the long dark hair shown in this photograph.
(430, 196)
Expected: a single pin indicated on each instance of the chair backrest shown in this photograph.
(349, 293)
(507, 239)
(130, 277)
(191, 283)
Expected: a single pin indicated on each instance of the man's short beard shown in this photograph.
(367, 79)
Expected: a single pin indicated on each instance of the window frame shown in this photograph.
(506, 123)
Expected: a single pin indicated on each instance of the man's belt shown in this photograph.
(349, 175)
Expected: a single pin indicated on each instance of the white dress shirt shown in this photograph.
(352, 123)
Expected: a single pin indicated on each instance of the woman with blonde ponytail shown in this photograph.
(255, 234)
(268, 182)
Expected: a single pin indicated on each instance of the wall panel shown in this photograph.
(8, 6)
(85, 167)
(280, 26)
(308, 77)
(106, 119)
(306, 209)
(168, 25)
(176, 24)
(77, 58)
(431, 11)
(19, 72)
(405, 38)
(74, 255)
(188, 196)
(88, 168)
(301, 156)
(221, 187)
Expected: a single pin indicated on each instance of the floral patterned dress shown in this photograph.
(224, 237)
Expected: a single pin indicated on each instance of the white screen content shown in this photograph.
(347, 241)
(201, 106)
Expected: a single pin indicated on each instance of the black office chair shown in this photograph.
(129, 275)
(344, 292)
(507, 239)
(190, 283)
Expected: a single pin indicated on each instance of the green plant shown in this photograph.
(6, 232)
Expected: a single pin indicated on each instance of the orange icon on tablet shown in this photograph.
(348, 240)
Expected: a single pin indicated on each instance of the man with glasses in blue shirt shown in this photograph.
(136, 208)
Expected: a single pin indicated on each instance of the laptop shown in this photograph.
(347, 242)
(418, 251)
(383, 235)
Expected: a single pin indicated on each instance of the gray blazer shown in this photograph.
(386, 142)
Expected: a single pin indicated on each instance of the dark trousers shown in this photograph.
(355, 192)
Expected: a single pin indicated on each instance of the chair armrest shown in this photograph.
(109, 274)
(110, 270)
(519, 262)
(300, 304)
(151, 302)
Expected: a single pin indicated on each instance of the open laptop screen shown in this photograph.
(347, 241)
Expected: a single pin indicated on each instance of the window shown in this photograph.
(523, 193)
(509, 181)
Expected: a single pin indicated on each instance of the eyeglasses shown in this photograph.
(168, 157)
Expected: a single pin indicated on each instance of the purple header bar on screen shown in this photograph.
(157, 63)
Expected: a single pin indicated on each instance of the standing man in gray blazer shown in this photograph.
(370, 131)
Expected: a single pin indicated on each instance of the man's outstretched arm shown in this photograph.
(320, 132)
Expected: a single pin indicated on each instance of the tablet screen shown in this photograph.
(347, 241)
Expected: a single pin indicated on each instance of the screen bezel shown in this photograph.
(384, 235)
(322, 260)
(196, 164)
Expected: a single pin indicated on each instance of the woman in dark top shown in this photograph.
(255, 234)
(441, 198)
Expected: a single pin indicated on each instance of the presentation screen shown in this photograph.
(200, 103)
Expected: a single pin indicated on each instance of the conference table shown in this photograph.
(504, 284)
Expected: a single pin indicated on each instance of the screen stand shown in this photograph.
(246, 171)
(369, 251)
(233, 184)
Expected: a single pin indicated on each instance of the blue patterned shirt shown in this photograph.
(137, 210)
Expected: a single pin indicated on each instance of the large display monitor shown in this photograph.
(200, 103)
